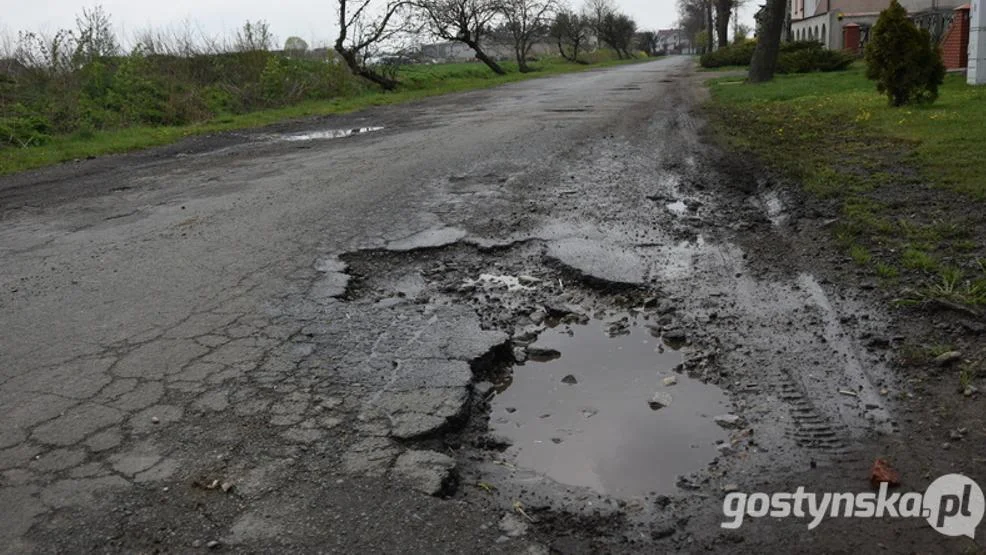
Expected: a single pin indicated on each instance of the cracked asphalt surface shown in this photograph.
(249, 343)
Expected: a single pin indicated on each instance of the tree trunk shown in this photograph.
(521, 59)
(385, 83)
(764, 61)
(490, 63)
(724, 9)
(709, 27)
(561, 50)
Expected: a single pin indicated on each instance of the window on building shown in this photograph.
(825, 39)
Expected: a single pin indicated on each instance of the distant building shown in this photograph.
(845, 24)
(673, 41)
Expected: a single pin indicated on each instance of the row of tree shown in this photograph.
(365, 27)
(369, 27)
(706, 22)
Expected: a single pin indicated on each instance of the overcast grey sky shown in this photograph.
(310, 19)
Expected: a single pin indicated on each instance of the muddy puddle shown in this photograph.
(329, 134)
(609, 413)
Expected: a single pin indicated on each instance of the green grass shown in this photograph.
(910, 182)
(860, 255)
(419, 81)
(916, 259)
(949, 136)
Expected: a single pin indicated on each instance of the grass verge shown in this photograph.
(420, 81)
(909, 183)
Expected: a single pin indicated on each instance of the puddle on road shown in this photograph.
(329, 134)
(602, 431)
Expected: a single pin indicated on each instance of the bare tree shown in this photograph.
(594, 11)
(691, 18)
(527, 21)
(770, 23)
(254, 36)
(47, 55)
(571, 31)
(465, 21)
(94, 36)
(360, 33)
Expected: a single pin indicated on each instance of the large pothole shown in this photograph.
(605, 406)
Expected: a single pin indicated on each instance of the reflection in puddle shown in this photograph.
(329, 134)
(587, 418)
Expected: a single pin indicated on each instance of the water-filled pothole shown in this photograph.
(609, 413)
(329, 134)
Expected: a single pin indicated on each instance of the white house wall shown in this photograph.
(832, 37)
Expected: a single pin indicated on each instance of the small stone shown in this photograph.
(512, 526)
(684, 482)
(540, 354)
(538, 316)
(670, 380)
(725, 448)
(520, 354)
(570, 380)
(956, 435)
(662, 531)
(730, 488)
(947, 358)
(429, 472)
(970, 390)
(155, 420)
(589, 412)
(946, 446)
(213, 544)
(728, 421)
(483, 389)
(660, 400)
(675, 335)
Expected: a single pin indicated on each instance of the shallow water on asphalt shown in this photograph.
(329, 134)
(601, 432)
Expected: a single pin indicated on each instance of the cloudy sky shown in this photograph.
(310, 19)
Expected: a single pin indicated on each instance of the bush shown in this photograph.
(902, 60)
(23, 129)
(738, 54)
(795, 57)
(805, 60)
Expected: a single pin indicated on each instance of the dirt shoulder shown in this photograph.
(867, 212)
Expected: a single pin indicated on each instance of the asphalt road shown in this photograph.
(159, 307)
(274, 340)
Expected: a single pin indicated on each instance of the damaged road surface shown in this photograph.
(524, 319)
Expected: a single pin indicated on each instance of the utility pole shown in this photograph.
(976, 72)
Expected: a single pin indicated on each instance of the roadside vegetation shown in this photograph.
(794, 57)
(78, 92)
(908, 182)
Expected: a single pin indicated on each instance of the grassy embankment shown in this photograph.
(419, 81)
(909, 183)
